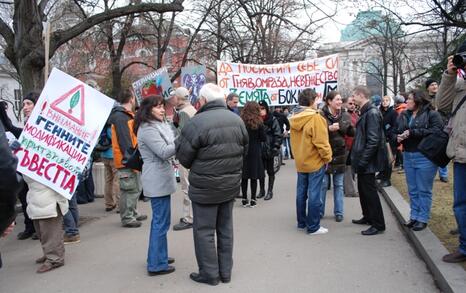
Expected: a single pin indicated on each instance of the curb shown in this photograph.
(450, 278)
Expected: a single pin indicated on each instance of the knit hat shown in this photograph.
(430, 81)
(264, 104)
(376, 100)
(32, 96)
(399, 99)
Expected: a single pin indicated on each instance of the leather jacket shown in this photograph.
(369, 154)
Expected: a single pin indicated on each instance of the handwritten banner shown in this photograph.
(61, 133)
(193, 78)
(155, 83)
(278, 84)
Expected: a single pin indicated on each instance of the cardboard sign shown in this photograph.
(62, 131)
(193, 78)
(155, 83)
(278, 84)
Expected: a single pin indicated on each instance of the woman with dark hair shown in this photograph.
(389, 125)
(253, 167)
(29, 101)
(339, 126)
(156, 143)
(270, 148)
(418, 121)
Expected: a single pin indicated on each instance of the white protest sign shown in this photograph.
(278, 84)
(63, 129)
(153, 84)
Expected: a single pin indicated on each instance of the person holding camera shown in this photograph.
(451, 98)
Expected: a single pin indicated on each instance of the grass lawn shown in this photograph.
(442, 218)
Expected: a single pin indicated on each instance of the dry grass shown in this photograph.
(442, 217)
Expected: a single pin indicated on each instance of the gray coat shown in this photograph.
(156, 145)
(212, 144)
(450, 93)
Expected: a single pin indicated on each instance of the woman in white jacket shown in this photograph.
(46, 209)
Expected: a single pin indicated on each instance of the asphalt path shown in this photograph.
(270, 254)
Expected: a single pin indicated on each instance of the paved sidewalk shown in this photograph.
(270, 254)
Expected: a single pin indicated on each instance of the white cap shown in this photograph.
(181, 93)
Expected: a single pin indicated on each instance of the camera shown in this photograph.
(459, 60)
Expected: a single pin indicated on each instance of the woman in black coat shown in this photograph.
(339, 126)
(389, 125)
(253, 167)
(270, 148)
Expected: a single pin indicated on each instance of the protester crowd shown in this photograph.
(220, 150)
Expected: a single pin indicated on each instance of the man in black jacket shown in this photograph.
(212, 145)
(9, 184)
(368, 156)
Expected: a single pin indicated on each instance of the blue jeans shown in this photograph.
(443, 172)
(157, 256)
(308, 189)
(71, 218)
(337, 194)
(287, 147)
(459, 202)
(420, 173)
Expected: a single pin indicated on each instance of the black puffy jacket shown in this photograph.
(212, 145)
(273, 139)
(389, 125)
(427, 121)
(10, 182)
(369, 153)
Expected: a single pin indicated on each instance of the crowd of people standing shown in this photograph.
(349, 141)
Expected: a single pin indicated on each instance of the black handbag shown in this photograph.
(434, 147)
(133, 159)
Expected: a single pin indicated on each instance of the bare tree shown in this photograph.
(23, 33)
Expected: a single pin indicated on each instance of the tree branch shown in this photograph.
(61, 37)
(133, 63)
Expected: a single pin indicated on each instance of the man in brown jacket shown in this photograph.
(451, 97)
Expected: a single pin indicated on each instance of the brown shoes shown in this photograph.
(47, 266)
(454, 257)
(41, 259)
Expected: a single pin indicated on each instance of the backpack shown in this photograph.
(104, 142)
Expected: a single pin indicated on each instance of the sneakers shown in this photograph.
(109, 209)
(182, 225)
(72, 239)
(135, 224)
(321, 230)
(253, 204)
(444, 179)
(141, 218)
(47, 266)
(245, 203)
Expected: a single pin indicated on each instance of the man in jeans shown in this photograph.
(123, 136)
(368, 156)
(312, 151)
(452, 91)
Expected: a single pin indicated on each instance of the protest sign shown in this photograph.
(193, 78)
(155, 83)
(63, 129)
(278, 84)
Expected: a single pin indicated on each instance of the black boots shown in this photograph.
(270, 190)
(261, 188)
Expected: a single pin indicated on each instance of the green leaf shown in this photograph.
(74, 100)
